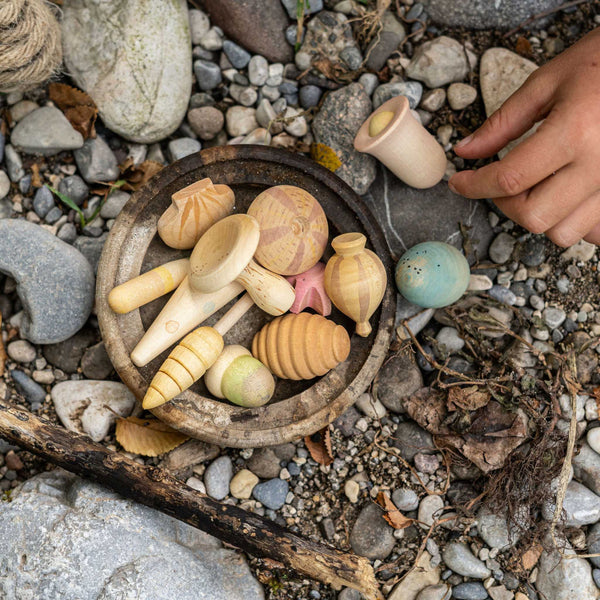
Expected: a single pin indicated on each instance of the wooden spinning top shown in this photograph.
(293, 229)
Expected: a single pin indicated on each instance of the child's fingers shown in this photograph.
(594, 235)
(578, 224)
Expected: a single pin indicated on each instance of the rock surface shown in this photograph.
(55, 307)
(84, 542)
(461, 560)
(371, 535)
(417, 580)
(134, 58)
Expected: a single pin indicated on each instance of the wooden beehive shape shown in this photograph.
(293, 229)
(355, 280)
(301, 346)
(193, 210)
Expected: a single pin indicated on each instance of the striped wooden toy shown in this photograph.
(355, 280)
(293, 229)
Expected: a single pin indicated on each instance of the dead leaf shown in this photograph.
(325, 156)
(138, 175)
(3, 355)
(36, 179)
(334, 71)
(470, 398)
(148, 437)
(392, 514)
(531, 556)
(77, 106)
(523, 46)
(319, 446)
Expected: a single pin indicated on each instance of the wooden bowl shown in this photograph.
(298, 408)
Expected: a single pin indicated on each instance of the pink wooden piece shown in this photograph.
(310, 291)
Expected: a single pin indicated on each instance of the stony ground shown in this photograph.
(525, 337)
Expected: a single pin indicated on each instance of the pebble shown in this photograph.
(21, 351)
(309, 96)
(258, 70)
(426, 463)
(95, 362)
(502, 294)
(182, 147)
(582, 251)
(75, 188)
(479, 283)
(206, 121)
(196, 484)
(54, 214)
(352, 57)
(208, 75)
(533, 253)
(501, 248)
(114, 204)
(240, 120)
(371, 536)
(237, 56)
(405, 499)
(554, 317)
(242, 484)
(461, 95)
(386, 42)
(410, 439)
(593, 439)
(67, 233)
(43, 202)
(469, 591)
(581, 506)
(264, 463)
(212, 40)
(430, 509)
(258, 136)
(96, 161)
(272, 493)
(297, 126)
(449, 340)
(370, 406)
(217, 477)
(411, 89)
(33, 393)
(4, 184)
(310, 8)
(461, 560)
(352, 490)
(45, 377)
(14, 165)
(199, 25)
(493, 530)
(424, 575)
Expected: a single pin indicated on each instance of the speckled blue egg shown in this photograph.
(432, 274)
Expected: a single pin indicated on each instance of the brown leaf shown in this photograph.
(36, 179)
(78, 107)
(148, 437)
(325, 156)
(319, 446)
(334, 71)
(138, 175)
(531, 556)
(470, 398)
(523, 46)
(392, 514)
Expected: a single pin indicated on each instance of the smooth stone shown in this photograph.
(22, 109)
(423, 576)
(371, 535)
(411, 89)
(264, 463)
(593, 439)
(586, 467)
(199, 25)
(272, 493)
(500, 592)
(242, 484)
(91, 248)
(385, 43)
(433, 100)
(461, 95)
(54, 214)
(342, 113)
(95, 362)
(54, 282)
(43, 202)
(96, 161)
(351, 57)
(75, 188)
(21, 351)
(469, 591)
(237, 56)
(91, 406)
(553, 317)
(244, 95)
(240, 120)
(449, 340)
(441, 591)
(258, 70)
(411, 439)
(84, 542)
(439, 62)
(370, 406)
(114, 204)
(34, 393)
(309, 96)
(581, 506)
(593, 543)
(297, 125)
(4, 184)
(134, 58)
(582, 251)
(430, 509)
(45, 131)
(182, 147)
(352, 490)
(393, 204)
(398, 379)
(502, 247)
(208, 74)
(310, 8)
(405, 499)
(14, 164)
(493, 530)
(349, 594)
(67, 233)
(217, 477)
(256, 25)
(461, 560)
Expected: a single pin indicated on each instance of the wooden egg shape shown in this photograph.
(355, 279)
(293, 229)
(432, 274)
(301, 346)
(193, 210)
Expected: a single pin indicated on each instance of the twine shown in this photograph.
(30, 46)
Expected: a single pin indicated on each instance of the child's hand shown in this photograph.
(549, 183)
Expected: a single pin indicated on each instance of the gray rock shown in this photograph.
(502, 247)
(54, 282)
(206, 121)
(2, 144)
(84, 542)
(91, 248)
(67, 354)
(461, 95)
(397, 379)
(449, 341)
(208, 74)
(346, 421)
(309, 96)
(237, 56)
(258, 70)
(310, 8)
(493, 530)
(405, 499)
(469, 591)
(434, 99)
(438, 62)
(14, 165)
(461, 560)
(410, 439)
(95, 363)
(352, 57)
(393, 203)
(482, 14)
(182, 147)
(271, 493)
(264, 463)
(371, 536)
(90, 406)
(502, 294)
(586, 467)
(114, 204)
(5, 184)
(96, 161)
(441, 591)
(349, 594)
(217, 477)
(593, 543)
(554, 317)
(580, 506)
(199, 25)
(33, 392)
(43, 202)
(45, 131)
(411, 89)
(385, 43)
(134, 58)
(67, 233)
(244, 95)
(75, 188)
(341, 115)
(430, 509)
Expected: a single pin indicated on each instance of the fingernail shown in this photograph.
(464, 142)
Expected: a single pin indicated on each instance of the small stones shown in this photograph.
(114, 204)
(410, 439)
(264, 463)
(430, 509)
(385, 43)
(502, 247)
(553, 317)
(33, 392)
(411, 89)
(199, 25)
(271, 493)
(352, 490)
(96, 161)
(14, 165)
(461, 95)
(422, 576)
(237, 56)
(449, 340)
(258, 70)
(405, 499)
(242, 484)
(21, 351)
(4, 184)
(240, 120)
(461, 560)
(182, 147)
(582, 251)
(370, 406)
(494, 531)
(95, 363)
(294, 124)
(208, 74)
(433, 100)
(371, 536)
(309, 96)
(218, 476)
(469, 591)
(399, 378)
(441, 591)
(75, 188)
(206, 121)
(593, 439)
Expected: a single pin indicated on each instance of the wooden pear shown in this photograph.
(355, 279)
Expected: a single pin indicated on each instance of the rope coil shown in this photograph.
(30, 45)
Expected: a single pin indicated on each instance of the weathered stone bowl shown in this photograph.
(298, 408)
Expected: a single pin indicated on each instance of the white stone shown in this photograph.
(296, 126)
(479, 283)
(582, 251)
(593, 436)
(242, 484)
(240, 120)
(258, 70)
(461, 95)
(423, 576)
(4, 184)
(21, 351)
(370, 406)
(199, 25)
(352, 489)
(430, 509)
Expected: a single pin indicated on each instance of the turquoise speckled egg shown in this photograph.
(432, 274)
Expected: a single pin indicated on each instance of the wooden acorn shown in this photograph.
(239, 377)
(224, 254)
(301, 346)
(193, 210)
(293, 229)
(149, 286)
(393, 136)
(355, 279)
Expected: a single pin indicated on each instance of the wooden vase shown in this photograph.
(193, 210)
(301, 346)
(293, 229)
(355, 280)
(402, 144)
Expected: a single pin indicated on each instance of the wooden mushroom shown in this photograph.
(355, 279)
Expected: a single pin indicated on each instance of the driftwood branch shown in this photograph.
(156, 488)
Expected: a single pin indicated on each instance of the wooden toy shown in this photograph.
(355, 279)
(190, 359)
(239, 377)
(310, 291)
(224, 254)
(193, 210)
(402, 144)
(301, 346)
(432, 274)
(293, 229)
(149, 286)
